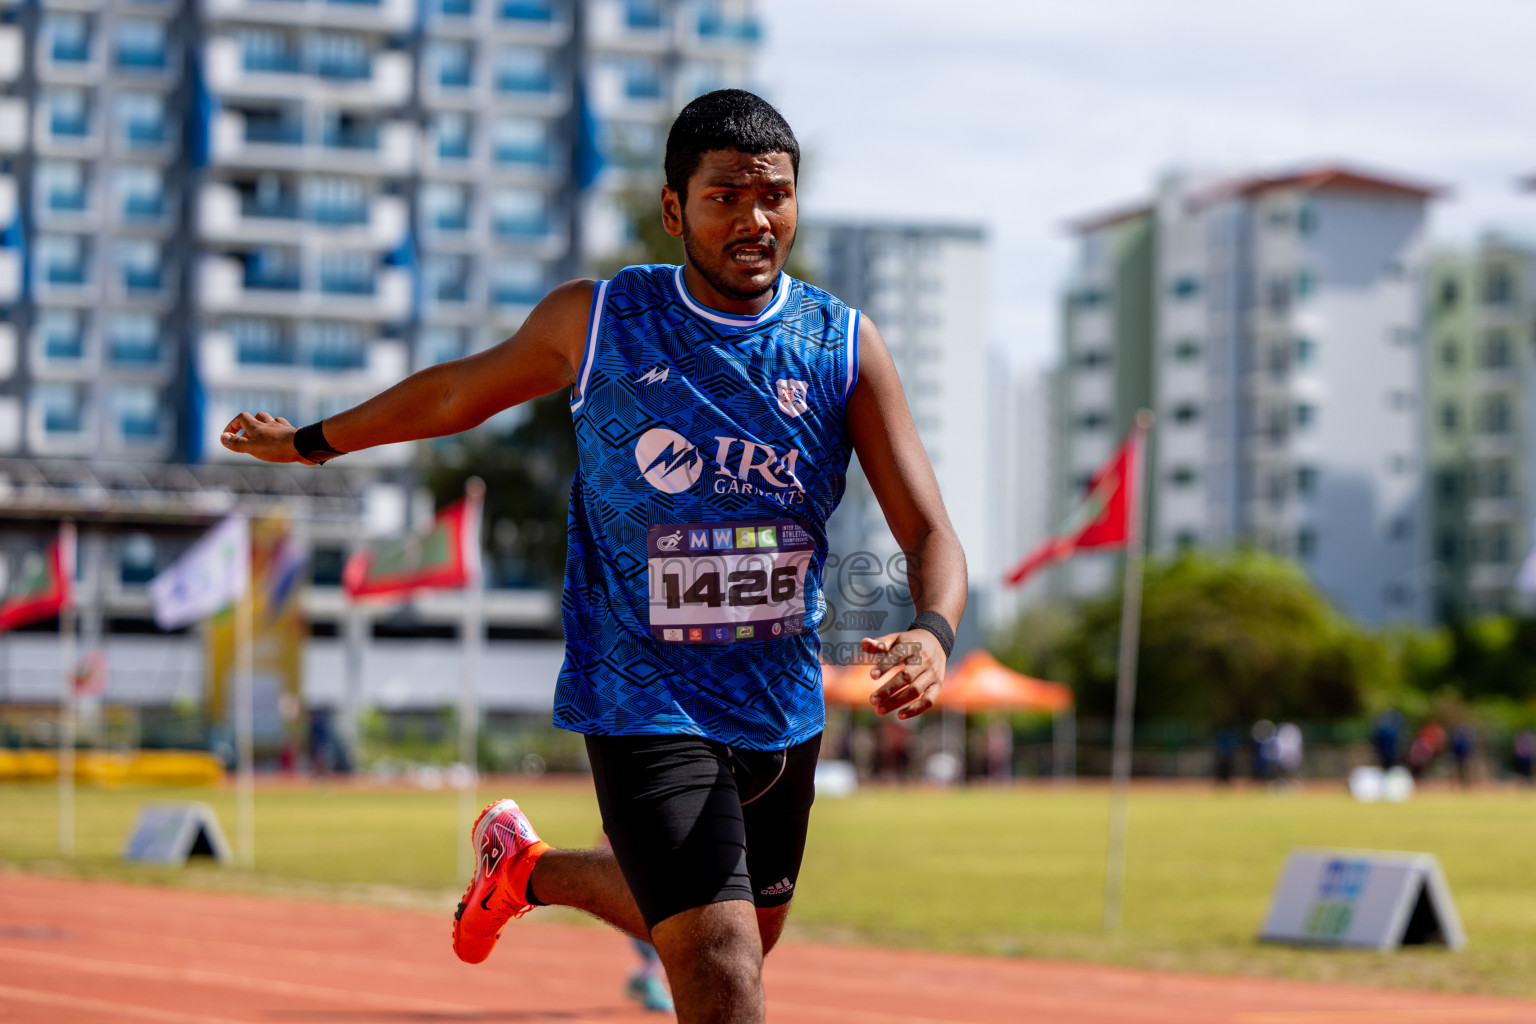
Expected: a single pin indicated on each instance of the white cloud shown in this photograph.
(1019, 115)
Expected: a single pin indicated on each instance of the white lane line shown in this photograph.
(111, 1010)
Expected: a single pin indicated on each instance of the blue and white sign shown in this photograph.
(1363, 899)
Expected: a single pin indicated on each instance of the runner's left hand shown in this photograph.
(909, 674)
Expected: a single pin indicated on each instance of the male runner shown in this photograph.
(716, 406)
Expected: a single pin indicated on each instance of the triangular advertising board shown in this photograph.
(169, 833)
(1362, 899)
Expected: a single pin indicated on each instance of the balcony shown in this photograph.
(69, 126)
(522, 230)
(368, 15)
(141, 281)
(345, 283)
(141, 58)
(522, 155)
(453, 149)
(451, 220)
(455, 77)
(68, 201)
(719, 29)
(526, 10)
(225, 360)
(383, 148)
(225, 285)
(65, 275)
(139, 427)
(70, 51)
(144, 134)
(64, 348)
(134, 353)
(143, 207)
(456, 8)
(525, 82)
(225, 213)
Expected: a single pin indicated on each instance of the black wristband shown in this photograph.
(939, 626)
(311, 444)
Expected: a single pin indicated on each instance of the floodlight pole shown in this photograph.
(1125, 684)
(472, 636)
(67, 694)
(245, 771)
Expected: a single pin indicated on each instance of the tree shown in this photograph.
(1225, 639)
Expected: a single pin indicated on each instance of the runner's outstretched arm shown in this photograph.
(896, 465)
(543, 356)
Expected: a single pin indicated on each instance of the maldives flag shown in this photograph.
(1102, 518)
(44, 585)
(446, 557)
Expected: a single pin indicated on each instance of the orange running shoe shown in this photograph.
(506, 848)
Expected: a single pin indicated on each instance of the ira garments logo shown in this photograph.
(791, 396)
(668, 460)
(655, 375)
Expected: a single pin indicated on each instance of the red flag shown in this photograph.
(446, 557)
(43, 589)
(1102, 518)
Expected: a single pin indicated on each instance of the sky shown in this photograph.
(1018, 114)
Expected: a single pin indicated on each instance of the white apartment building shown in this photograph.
(1272, 323)
(924, 287)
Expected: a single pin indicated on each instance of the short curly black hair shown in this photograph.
(725, 119)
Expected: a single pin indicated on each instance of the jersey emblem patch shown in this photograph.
(791, 396)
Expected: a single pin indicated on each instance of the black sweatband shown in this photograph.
(939, 626)
(311, 444)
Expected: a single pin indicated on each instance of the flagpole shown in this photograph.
(472, 636)
(245, 772)
(1125, 685)
(67, 696)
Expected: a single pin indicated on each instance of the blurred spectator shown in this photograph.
(1384, 737)
(1426, 746)
(892, 740)
(1227, 744)
(1000, 750)
(1288, 751)
(1463, 744)
(1264, 750)
(1525, 754)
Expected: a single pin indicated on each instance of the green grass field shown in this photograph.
(1008, 871)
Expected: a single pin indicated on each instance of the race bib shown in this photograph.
(712, 583)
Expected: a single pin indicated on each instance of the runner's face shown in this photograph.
(738, 224)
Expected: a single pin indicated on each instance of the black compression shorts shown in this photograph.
(694, 822)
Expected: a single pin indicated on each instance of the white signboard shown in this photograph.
(1362, 899)
(169, 833)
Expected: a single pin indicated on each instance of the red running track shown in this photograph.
(92, 953)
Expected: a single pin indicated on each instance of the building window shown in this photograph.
(68, 114)
(1498, 353)
(346, 272)
(1306, 284)
(133, 339)
(260, 342)
(333, 345)
(1448, 484)
(452, 60)
(1450, 354)
(1277, 294)
(1401, 528)
(520, 140)
(440, 344)
(518, 215)
(527, 10)
(136, 412)
(62, 186)
(139, 263)
(1186, 350)
(1306, 543)
(1185, 540)
(1400, 400)
(1186, 413)
(1183, 476)
(63, 335)
(1497, 415)
(446, 206)
(1306, 218)
(1449, 293)
(141, 118)
(62, 260)
(642, 78)
(69, 38)
(1185, 287)
(1306, 349)
(1090, 298)
(140, 191)
(1450, 417)
(341, 55)
(62, 412)
(1306, 479)
(1447, 546)
(1305, 414)
(523, 69)
(1092, 358)
(645, 15)
(141, 44)
(453, 136)
(136, 563)
(1498, 286)
(517, 283)
(1092, 420)
(447, 278)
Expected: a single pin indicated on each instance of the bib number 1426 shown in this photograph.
(725, 582)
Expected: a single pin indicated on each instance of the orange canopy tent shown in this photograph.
(978, 682)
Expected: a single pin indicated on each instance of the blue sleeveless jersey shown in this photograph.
(711, 449)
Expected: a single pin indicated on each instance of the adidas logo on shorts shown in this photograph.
(779, 888)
